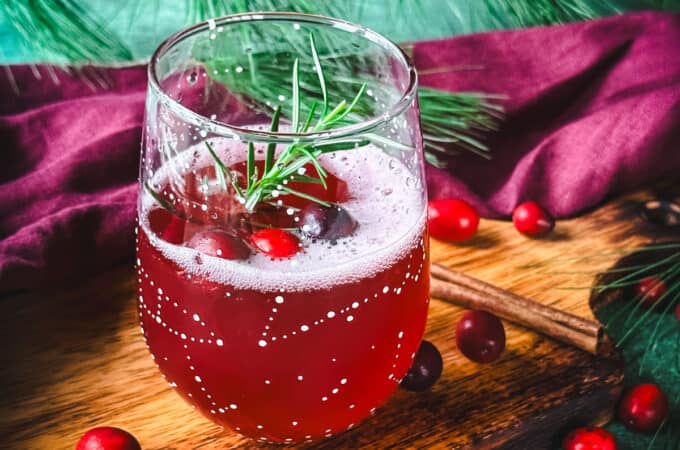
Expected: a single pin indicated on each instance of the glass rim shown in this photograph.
(218, 127)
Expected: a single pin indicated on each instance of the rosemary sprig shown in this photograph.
(162, 202)
(291, 162)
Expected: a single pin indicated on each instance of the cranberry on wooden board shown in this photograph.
(220, 244)
(589, 438)
(326, 222)
(425, 370)
(480, 336)
(650, 290)
(108, 438)
(532, 219)
(644, 408)
(276, 243)
(661, 212)
(451, 219)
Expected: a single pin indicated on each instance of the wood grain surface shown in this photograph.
(75, 359)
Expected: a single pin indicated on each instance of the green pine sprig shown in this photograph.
(66, 31)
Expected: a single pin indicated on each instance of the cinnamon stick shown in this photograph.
(468, 292)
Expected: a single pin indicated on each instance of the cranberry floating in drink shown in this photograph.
(282, 253)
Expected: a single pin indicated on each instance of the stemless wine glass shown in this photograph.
(282, 252)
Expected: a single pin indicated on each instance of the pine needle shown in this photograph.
(64, 30)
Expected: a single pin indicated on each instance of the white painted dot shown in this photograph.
(262, 343)
(343, 381)
(219, 342)
(323, 399)
(335, 390)
(400, 335)
(267, 382)
(278, 299)
(197, 378)
(259, 427)
(158, 319)
(355, 305)
(183, 336)
(304, 328)
(351, 406)
(350, 318)
(233, 406)
(386, 289)
(160, 291)
(294, 423)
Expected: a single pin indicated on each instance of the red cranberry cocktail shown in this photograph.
(282, 254)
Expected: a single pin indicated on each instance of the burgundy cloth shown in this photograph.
(593, 108)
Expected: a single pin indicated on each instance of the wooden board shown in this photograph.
(75, 359)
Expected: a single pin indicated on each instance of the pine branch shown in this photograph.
(65, 30)
(524, 13)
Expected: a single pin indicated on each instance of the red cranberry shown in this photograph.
(220, 244)
(480, 336)
(531, 219)
(650, 290)
(167, 226)
(425, 370)
(451, 219)
(174, 232)
(276, 242)
(589, 438)
(326, 222)
(643, 408)
(108, 438)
